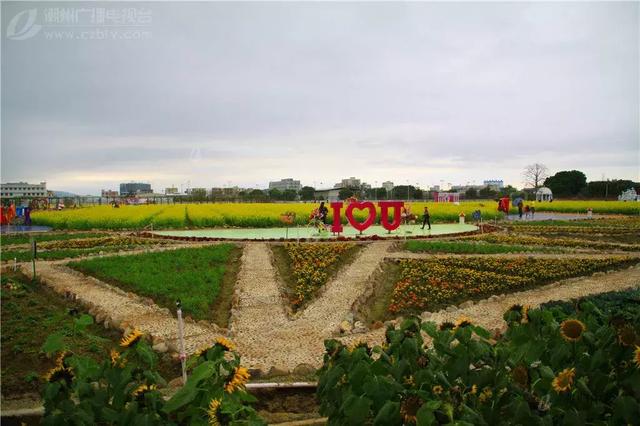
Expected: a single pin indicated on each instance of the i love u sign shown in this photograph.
(371, 215)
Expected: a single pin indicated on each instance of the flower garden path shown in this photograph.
(267, 336)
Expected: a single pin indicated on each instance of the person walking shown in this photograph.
(323, 211)
(520, 209)
(426, 218)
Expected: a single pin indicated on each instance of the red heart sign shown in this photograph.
(367, 205)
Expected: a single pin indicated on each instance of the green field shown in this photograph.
(202, 278)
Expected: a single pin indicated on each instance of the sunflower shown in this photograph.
(463, 322)
(238, 380)
(474, 389)
(225, 343)
(486, 394)
(437, 389)
(59, 373)
(131, 339)
(563, 381)
(212, 412)
(636, 356)
(520, 375)
(409, 409)
(572, 330)
(60, 361)
(626, 335)
(408, 380)
(446, 326)
(116, 359)
(143, 389)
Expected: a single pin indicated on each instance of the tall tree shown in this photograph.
(307, 193)
(535, 174)
(345, 193)
(566, 183)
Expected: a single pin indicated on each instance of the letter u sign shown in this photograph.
(371, 215)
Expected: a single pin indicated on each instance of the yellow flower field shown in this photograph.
(263, 215)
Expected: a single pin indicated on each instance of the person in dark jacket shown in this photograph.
(323, 211)
(426, 218)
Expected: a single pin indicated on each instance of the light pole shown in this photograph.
(407, 190)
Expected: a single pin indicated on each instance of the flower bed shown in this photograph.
(433, 283)
(561, 242)
(310, 266)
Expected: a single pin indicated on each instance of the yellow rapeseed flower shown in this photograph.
(240, 377)
(563, 381)
(572, 329)
(131, 339)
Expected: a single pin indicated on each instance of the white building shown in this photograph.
(351, 182)
(629, 195)
(495, 184)
(544, 194)
(388, 186)
(285, 184)
(23, 189)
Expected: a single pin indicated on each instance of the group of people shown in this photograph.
(528, 210)
(8, 214)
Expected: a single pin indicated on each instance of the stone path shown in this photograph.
(266, 337)
(121, 309)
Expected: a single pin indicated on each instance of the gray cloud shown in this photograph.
(418, 91)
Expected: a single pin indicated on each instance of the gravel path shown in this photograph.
(121, 309)
(260, 327)
(488, 312)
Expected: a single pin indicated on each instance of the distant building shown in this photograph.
(388, 185)
(351, 182)
(494, 184)
(23, 189)
(285, 184)
(109, 193)
(332, 194)
(134, 188)
(544, 194)
(172, 190)
(435, 188)
(629, 195)
(198, 191)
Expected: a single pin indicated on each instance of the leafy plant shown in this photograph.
(547, 369)
(124, 389)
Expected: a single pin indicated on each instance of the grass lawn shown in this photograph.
(24, 239)
(469, 247)
(202, 278)
(25, 255)
(30, 313)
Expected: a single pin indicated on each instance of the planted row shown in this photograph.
(434, 283)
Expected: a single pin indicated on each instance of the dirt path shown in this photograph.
(488, 312)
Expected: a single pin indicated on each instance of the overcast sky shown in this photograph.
(244, 93)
